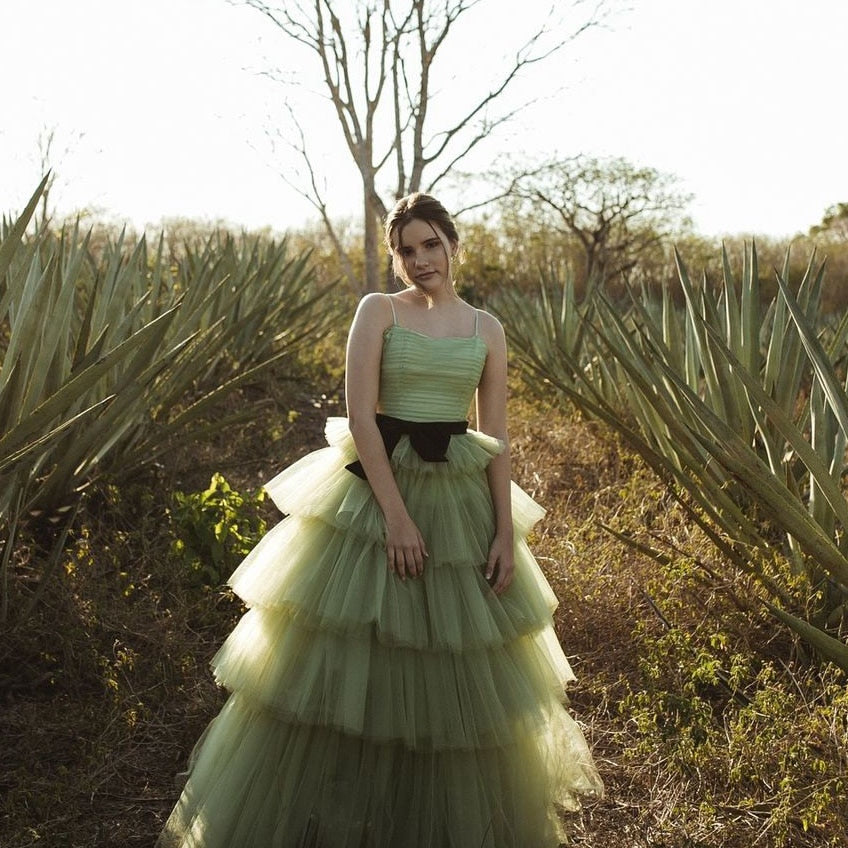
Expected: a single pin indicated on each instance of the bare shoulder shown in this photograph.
(491, 329)
(373, 314)
(374, 306)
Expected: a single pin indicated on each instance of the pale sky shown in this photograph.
(160, 108)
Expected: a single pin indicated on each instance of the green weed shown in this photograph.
(215, 529)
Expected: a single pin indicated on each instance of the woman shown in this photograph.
(396, 681)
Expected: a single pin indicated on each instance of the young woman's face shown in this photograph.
(423, 250)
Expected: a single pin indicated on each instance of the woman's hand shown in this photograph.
(405, 548)
(501, 563)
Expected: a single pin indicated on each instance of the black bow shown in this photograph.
(429, 439)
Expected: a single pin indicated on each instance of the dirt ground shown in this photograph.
(105, 687)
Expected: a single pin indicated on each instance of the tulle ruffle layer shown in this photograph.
(325, 578)
(424, 699)
(301, 785)
(374, 712)
(444, 496)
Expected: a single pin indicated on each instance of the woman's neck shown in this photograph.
(438, 299)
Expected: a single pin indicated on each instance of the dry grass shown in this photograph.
(617, 609)
(106, 689)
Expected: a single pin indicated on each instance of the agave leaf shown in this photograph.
(732, 307)
(84, 333)
(8, 391)
(93, 354)
(53, 406)
(709, 311)
(12, 518)
(819, 470)
(11, 243)
(828, 444)
(838, 340)
(81, 457)
(9, 460)
(31, 305)
(193, 413)
(673, 334)
(751, 322)
(828, 646)
(836, 395)
(772, 496)
(48, 346)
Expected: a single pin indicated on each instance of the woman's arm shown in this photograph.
(405, 549)
(491, 419)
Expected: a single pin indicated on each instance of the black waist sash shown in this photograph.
(429, 439)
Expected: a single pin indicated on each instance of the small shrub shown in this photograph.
(215, 529)
(759, 737)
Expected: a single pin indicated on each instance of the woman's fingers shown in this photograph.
(499, 570)
(504, 578)
(397, 561)
(414, 560)
(418, 554)
(500, 564)
(407, 561)
(491, 568)
(400, 563)
(405, 548)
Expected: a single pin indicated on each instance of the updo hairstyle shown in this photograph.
(421, 207)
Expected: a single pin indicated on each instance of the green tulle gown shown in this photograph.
(371, 712)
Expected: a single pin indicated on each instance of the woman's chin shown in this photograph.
(431, 284)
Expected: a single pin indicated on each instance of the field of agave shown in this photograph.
(709, 726)
(109, 356)
(741, 407)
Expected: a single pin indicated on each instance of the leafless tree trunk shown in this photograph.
(377, 59)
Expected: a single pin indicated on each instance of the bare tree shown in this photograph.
(834, 223)
(616, 211)
(377, 60)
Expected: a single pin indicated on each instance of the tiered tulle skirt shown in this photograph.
(373, 712)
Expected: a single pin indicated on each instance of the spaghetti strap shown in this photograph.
(394, 314)
(476, 322)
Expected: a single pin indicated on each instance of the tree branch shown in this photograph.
(484, 133)
(523, 58)
(316, 199)
(292, 27)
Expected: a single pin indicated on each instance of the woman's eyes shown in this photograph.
(428, 245)
(409, 252)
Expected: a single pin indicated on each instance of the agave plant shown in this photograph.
(109, 357)
(740, 409)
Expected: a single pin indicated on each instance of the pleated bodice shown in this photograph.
(425, 378)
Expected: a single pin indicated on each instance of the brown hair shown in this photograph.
(421, 207)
